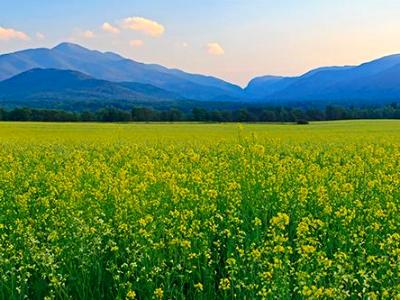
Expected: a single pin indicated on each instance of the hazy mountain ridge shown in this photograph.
(113, 67)
(53, 86)
(116, 78)
(372, 81)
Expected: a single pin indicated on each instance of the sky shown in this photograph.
(235, 40)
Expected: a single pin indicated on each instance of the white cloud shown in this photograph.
(185, 45)
(143, 25)
(136, 43)
(7, 34)
(40, 36)
(215, 49)
(107, 27)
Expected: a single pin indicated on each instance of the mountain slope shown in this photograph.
(374, 82)
(341, 84)
(265, 86)
(112, 67)
(47, 87)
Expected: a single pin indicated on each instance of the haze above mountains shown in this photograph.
(69, 75)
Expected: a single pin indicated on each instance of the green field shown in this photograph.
(200, 211)
(191, 132)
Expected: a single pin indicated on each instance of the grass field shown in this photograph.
(200, 211)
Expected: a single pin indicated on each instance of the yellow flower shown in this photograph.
(259, 150)
(212, 194)
(131, 295)
(308, 249)
(224, 284)
(281, 220)
(257, 222)
(302, 228)
(231, 261)
(186, 244)
(198, 287)
(303, 194)
(159, 293)
(255, 253)
(266, 276)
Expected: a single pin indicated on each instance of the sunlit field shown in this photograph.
(200, 211)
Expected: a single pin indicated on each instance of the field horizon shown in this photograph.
(190, 131)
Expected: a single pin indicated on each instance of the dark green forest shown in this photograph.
(251, 114)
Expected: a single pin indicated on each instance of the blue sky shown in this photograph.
(233, 39)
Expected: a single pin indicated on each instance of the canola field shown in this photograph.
(200, 211)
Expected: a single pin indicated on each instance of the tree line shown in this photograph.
(250, 114)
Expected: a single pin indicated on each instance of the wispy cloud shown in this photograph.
(7, 34)
(40, 36)
(81, 35)
(215, 49)
(136, 43)
(107, 27)
(87, 34)
(144, 25)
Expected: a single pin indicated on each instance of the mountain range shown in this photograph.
(373, 83)
(62, 88)
(115, 68)
(69, 75)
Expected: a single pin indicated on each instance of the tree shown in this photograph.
(20, 114)
(226, 116)
(175, 115)
(335, 113)
(172, 115)
(2, 114)
(297, 114)
(283, 115)
(87, 116)
(267, 115)
(216, 116)
(143, 114)
(315, 114)
(199, 114)
(241, 115)
(113, 115)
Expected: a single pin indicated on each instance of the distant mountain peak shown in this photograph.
(113, 55)
(69, 46)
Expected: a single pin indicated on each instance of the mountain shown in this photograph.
(113, 67)
(106, 78)
(375, 82)
(55, 88)
(265, 86)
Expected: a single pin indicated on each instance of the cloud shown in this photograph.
(136, 43)
(40, 36)
(143, 25)
(7, 34)
(215, 49)
(80, 35)
(185, 45)
(87, 34)
(107, 27)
